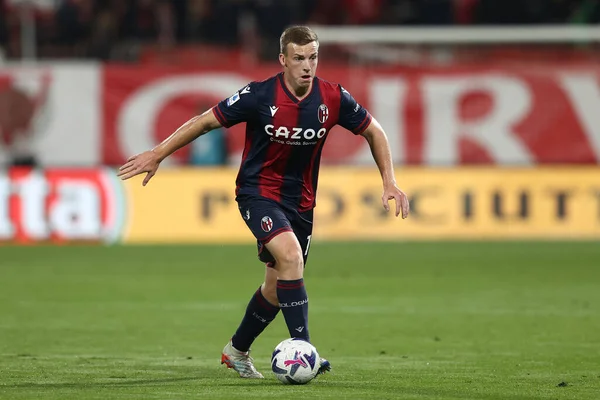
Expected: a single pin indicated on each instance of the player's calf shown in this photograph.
(269, 286)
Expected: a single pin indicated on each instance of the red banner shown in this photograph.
(517, 115)
(59, 205)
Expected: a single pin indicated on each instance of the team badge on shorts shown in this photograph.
(266, 223)
(323, 113)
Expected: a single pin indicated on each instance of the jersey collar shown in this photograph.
(291, 95)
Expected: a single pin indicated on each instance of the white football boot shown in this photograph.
(325, 366)
(240, 361)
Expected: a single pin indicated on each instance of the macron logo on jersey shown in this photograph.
(246, 90)
(273, 110)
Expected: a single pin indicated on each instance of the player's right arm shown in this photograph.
(149, 161)
(237, 108)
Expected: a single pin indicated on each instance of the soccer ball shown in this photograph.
(295, 361)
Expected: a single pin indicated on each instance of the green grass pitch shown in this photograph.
(474, 320)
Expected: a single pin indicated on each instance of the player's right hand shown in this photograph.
(147, 162)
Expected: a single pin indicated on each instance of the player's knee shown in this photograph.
(286, 250)
(292, 257)
(290, 261)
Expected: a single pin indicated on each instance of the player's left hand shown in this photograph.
(393, 192)
(147, 162)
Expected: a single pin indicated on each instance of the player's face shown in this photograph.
(300, 63)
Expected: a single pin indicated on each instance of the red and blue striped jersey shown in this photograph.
(285, 136)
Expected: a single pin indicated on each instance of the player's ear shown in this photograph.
(282, 60)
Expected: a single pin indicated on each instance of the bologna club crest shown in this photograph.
(323, 113)
(266, 223)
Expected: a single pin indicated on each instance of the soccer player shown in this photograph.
(288, 118)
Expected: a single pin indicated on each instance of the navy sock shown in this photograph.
(293, 302)
(259, 315)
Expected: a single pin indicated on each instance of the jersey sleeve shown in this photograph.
(238, 108)
(353, 116)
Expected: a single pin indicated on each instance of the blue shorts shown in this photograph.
(267, 218)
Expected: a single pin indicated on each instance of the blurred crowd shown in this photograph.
(109, 29)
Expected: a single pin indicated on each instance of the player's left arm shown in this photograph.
(359, 121)
(382, 154)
